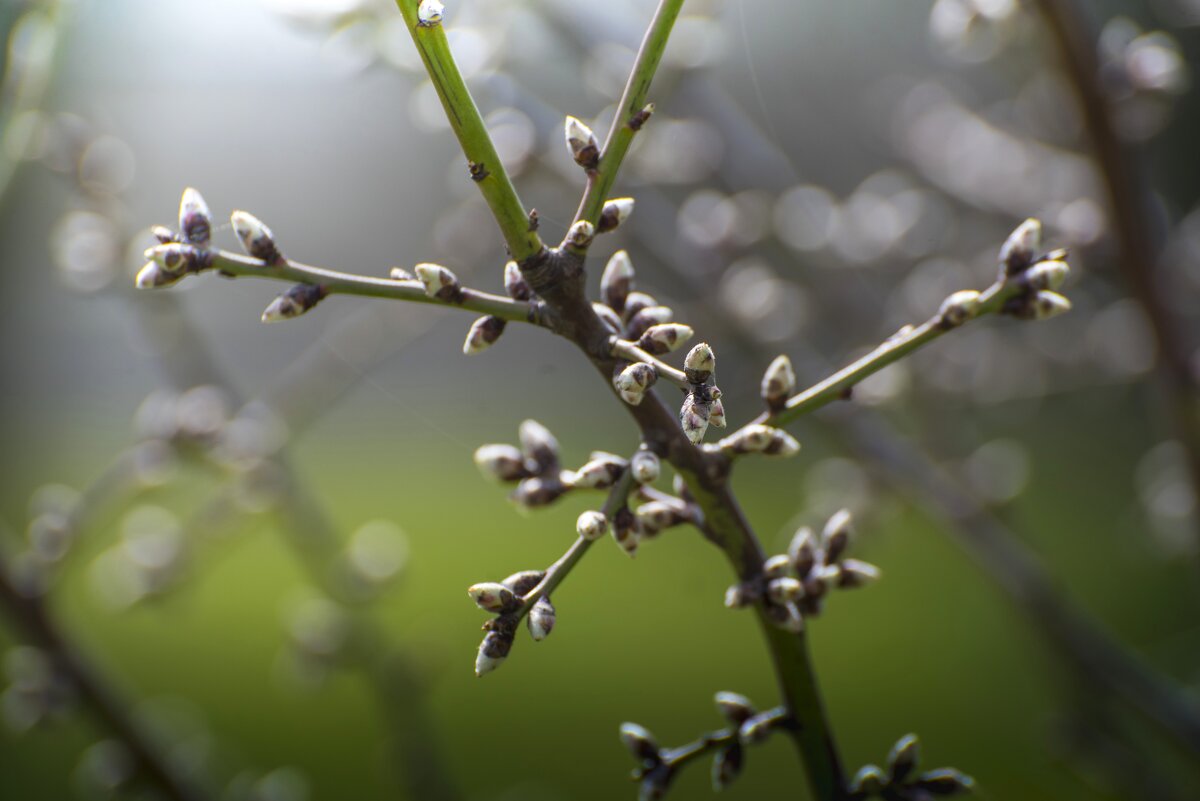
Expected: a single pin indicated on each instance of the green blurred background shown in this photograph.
(310, 116)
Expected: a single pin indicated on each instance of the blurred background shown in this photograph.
(246, 547)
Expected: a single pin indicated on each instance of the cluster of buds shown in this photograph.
(657, 767)
(535, 466)
(793, 585)
(506, 599)
(179, 253)
(486, 330)
(1038, 274)
(702, 405)
(633, 315)
(901, 782)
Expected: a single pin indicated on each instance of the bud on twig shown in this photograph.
(758, 438)
(635, 302)
(614, 212)
(429, 13)
(784, 590)
(626, 530)
(777, 566)
(641, 743)
(257, 239)
(514, 283)
(727, 766)
(693, 419)
(537, 491)
(869, 781)
(440, 283)
(646, 318)
(836, 535)
(778, 383)
(855, 573)
(599, 473)
(1019, 249)
(645, 466)
(1048, 304)
(755, 729)
(1047, 274)
(153, 276)
(716, 414)
(958, 308)
(493, 597)
(400, 274)
(483, 334)
(617, 281)
(802, 551)
(582, 143)
(541, 619)
(632, 382)
(735, 708)
(591, 525)
(580, 235)
(524, 581)
(902, 759)
(295, 302)
(700, 364)
(493, 650)
(195, 223)
(609, 317)
(944, 781)
(538, 445)
(164, 235)
(501, 462)
(656, 516)
(664, 338)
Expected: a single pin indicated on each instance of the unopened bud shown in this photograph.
(727, 766)
(501, 462)
(626, 531)
(483, 334)
(778, 383)
(153, 276)
(492, 597)
(493, 651)
(400, 274)
(609, 317)
(295, 302)
(591, 525)
(647, 318)
(854, 573)
(944, 781)
(429, 13)
(868, 782)
(515, 284)
(638, 118)
(700, 363)
(524, 581)
(617, 281)
(615, 212)
(635, 302)
(693, 419)
(777, 566)
(784, 590)
(599, 473)
(632, 382)
(640, 742)
(580, 235)
(534, 492)
(1019, 249)
(582, 143)
(440, 283)
(538, 444)
(656, 516)
(257, 239)
(541, 619)
(738, 596)
(645, 466)
(716, 414)
(836, 535)
(903, 758)
(173, 258)
(958, 308)
(195, 223)
(164, 235)
(735, 708)
(802, 551)
(1048, 304)
(1047, 274)
(758, 438)
(755, 729)
(664, 338)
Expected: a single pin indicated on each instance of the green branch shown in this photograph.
(630, 112)
(462, 113)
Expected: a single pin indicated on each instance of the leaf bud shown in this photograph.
(1019, 249)
(524, 581)
(609, 317)
(645, 466)
(716, 413)
(727, 766)
(756, 728)
(646, 318)
(855, 573)
(777, 566)
(541, 619)
(537, 491)
(153, 276)
(758, 438)
(440, 283)
(617, 281)
(538, 444)
(836, 535)
(664, 338)
(778, 383)
(635, 302)
(295, 302)
(944, 782)
(501, 462)
(492, 597)
(903, 758)
(582, 143)
(802, 551)
(784, 590)
(700, 363)
(195, 223)
(493, 650)
(591, 525)
(580, 235)
(614, 212)
(632, 382)
(641, 743)
(626, 531)
(256, 237)
(1048, 304)
(1047, 274)
(599, 473)
(958, 308)
(515, 284)
(429, 13)
(735, 708)
(868, 781)
(655, 516)
(693, 419)
(483, 334)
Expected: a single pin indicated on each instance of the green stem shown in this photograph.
(338, 283)
(633, 101)
(486, 169)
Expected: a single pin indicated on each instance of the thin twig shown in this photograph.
(624, 349)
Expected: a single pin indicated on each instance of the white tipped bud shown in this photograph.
(1047, 274)
(153, 276)
(959, 307)
(538, 443)
(173, 258)
(293, 303)
(757, 438)
(802, 551)
(400, 274)
(756, 729)
(580, 235)
(501, 462)
(868, 782)
(1019, 249)
(483, 334)
(492, 597)
(493, 651)
(836, 535)
(777, 566)
(784, 590)
(645, 466)
(541, 619)
(778, 382)
(1049, 304)
(658, 515)
(903, 758)
(626, 530)
(615, 212)
(700, 363)
(647, 318)
(582, 143)
(736, 597)
(195, 223)
(440, 283)
(664, 338)
(854, 573)
(635, 302)
(599, 473)
(524, 581)
(607, 316)
(591, 525)
(164, 235)
(617, 281)
(632, 382)
(640, 742)
(429, 13)
(515, 284)
(735, 708)
(256, 237)
(716, 414)
(693, 419)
